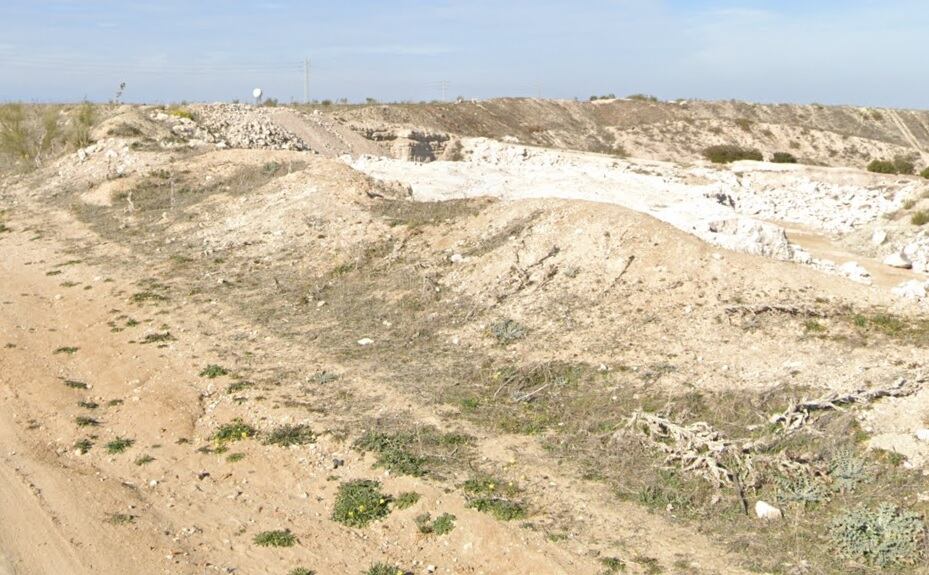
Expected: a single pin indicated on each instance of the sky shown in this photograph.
(860, 52)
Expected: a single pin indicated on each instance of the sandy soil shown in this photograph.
(128, 271)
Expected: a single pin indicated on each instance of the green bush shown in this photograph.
(882, 167)
(783, 158)
(903, 165)
(883, 537)
(729, 153)
(925, 173)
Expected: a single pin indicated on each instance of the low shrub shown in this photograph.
(730, 153)
(903, 165)
(783, 158)
(920, 218)
(360, 502)
(883, 537)
(882, 167)
(925, 173)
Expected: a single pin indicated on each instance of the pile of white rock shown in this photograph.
(232, 126)
(242, 126)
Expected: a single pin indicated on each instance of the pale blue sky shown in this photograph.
(866, 52)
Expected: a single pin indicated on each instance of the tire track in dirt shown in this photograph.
(905, 131)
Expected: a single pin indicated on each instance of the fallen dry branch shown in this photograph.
(759, 309)
(798, 413)
(696, 447)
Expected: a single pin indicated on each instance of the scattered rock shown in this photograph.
(878, 237)
(922, 434)
(365, 341)
(912, 290)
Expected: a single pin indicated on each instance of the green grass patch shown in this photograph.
(74, 384)
(496, 497)
(144, 460)
(441, 525)
(360, 502)
(415, 452)
(120, 519)
(406, 500)
(288, 435)
(119, 445)
(213, 371)
(157, 338)
(236, 430)
(67, 350)
(84, 421)
(277, 538)
(385, 569)
(147, 297)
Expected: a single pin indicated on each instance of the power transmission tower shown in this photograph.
(306, 80)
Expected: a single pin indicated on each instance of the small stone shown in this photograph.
(456, 258)
(855, 272)
(767, 511)
(878, 237)
(898, 261)
(430, 568)
(337, 463)
(365, 341)
(922, 434)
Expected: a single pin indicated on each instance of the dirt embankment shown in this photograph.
(673, 131)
